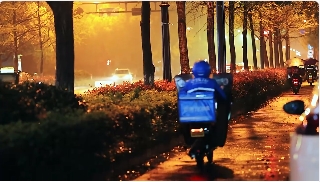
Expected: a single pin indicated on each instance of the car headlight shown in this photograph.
(128, 77)
(114, 77)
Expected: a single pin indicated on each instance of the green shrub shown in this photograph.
(30, 101)
(47, 79)
(63, 147)
(147, 120)
(77, 146)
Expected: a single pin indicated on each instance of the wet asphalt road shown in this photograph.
(257, 148)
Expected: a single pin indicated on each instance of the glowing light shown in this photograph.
(239, 30)
(314, 100)
(301, 118)
(256, 38)
(304, 20)
(189, 28)
(283, 47)
(293, 49)
(7, 70)
(128, 76)
(197, 130)
(307, 111)
(290, 49)
(114, 77)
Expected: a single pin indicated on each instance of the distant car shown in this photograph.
(122, 75)
(304, 144)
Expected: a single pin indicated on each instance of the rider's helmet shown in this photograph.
(201, 69)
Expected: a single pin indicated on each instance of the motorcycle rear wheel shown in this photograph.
(200, 161)
(210, 157)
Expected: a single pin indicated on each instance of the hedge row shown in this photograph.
(69, 141)
(31, 101)
(82, 78)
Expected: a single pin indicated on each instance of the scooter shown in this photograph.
(310, 79)
(199, 115)
(295, 86)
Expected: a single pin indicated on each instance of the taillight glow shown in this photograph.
(197, 130)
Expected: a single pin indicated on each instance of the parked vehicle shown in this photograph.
(304, 144)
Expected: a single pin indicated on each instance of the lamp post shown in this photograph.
(166, 55)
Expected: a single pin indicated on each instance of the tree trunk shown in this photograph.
(210, 36)
(244, 36)
(40, 39)
(276, 48)
(265, 54)
(148, 67)
(262, 52)
(270, 49)
(280, 49)
(253, 42)
(316, 53)
(231, 38)
(15, 39)
(63, 23)
(287, 41)
(183, 43)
